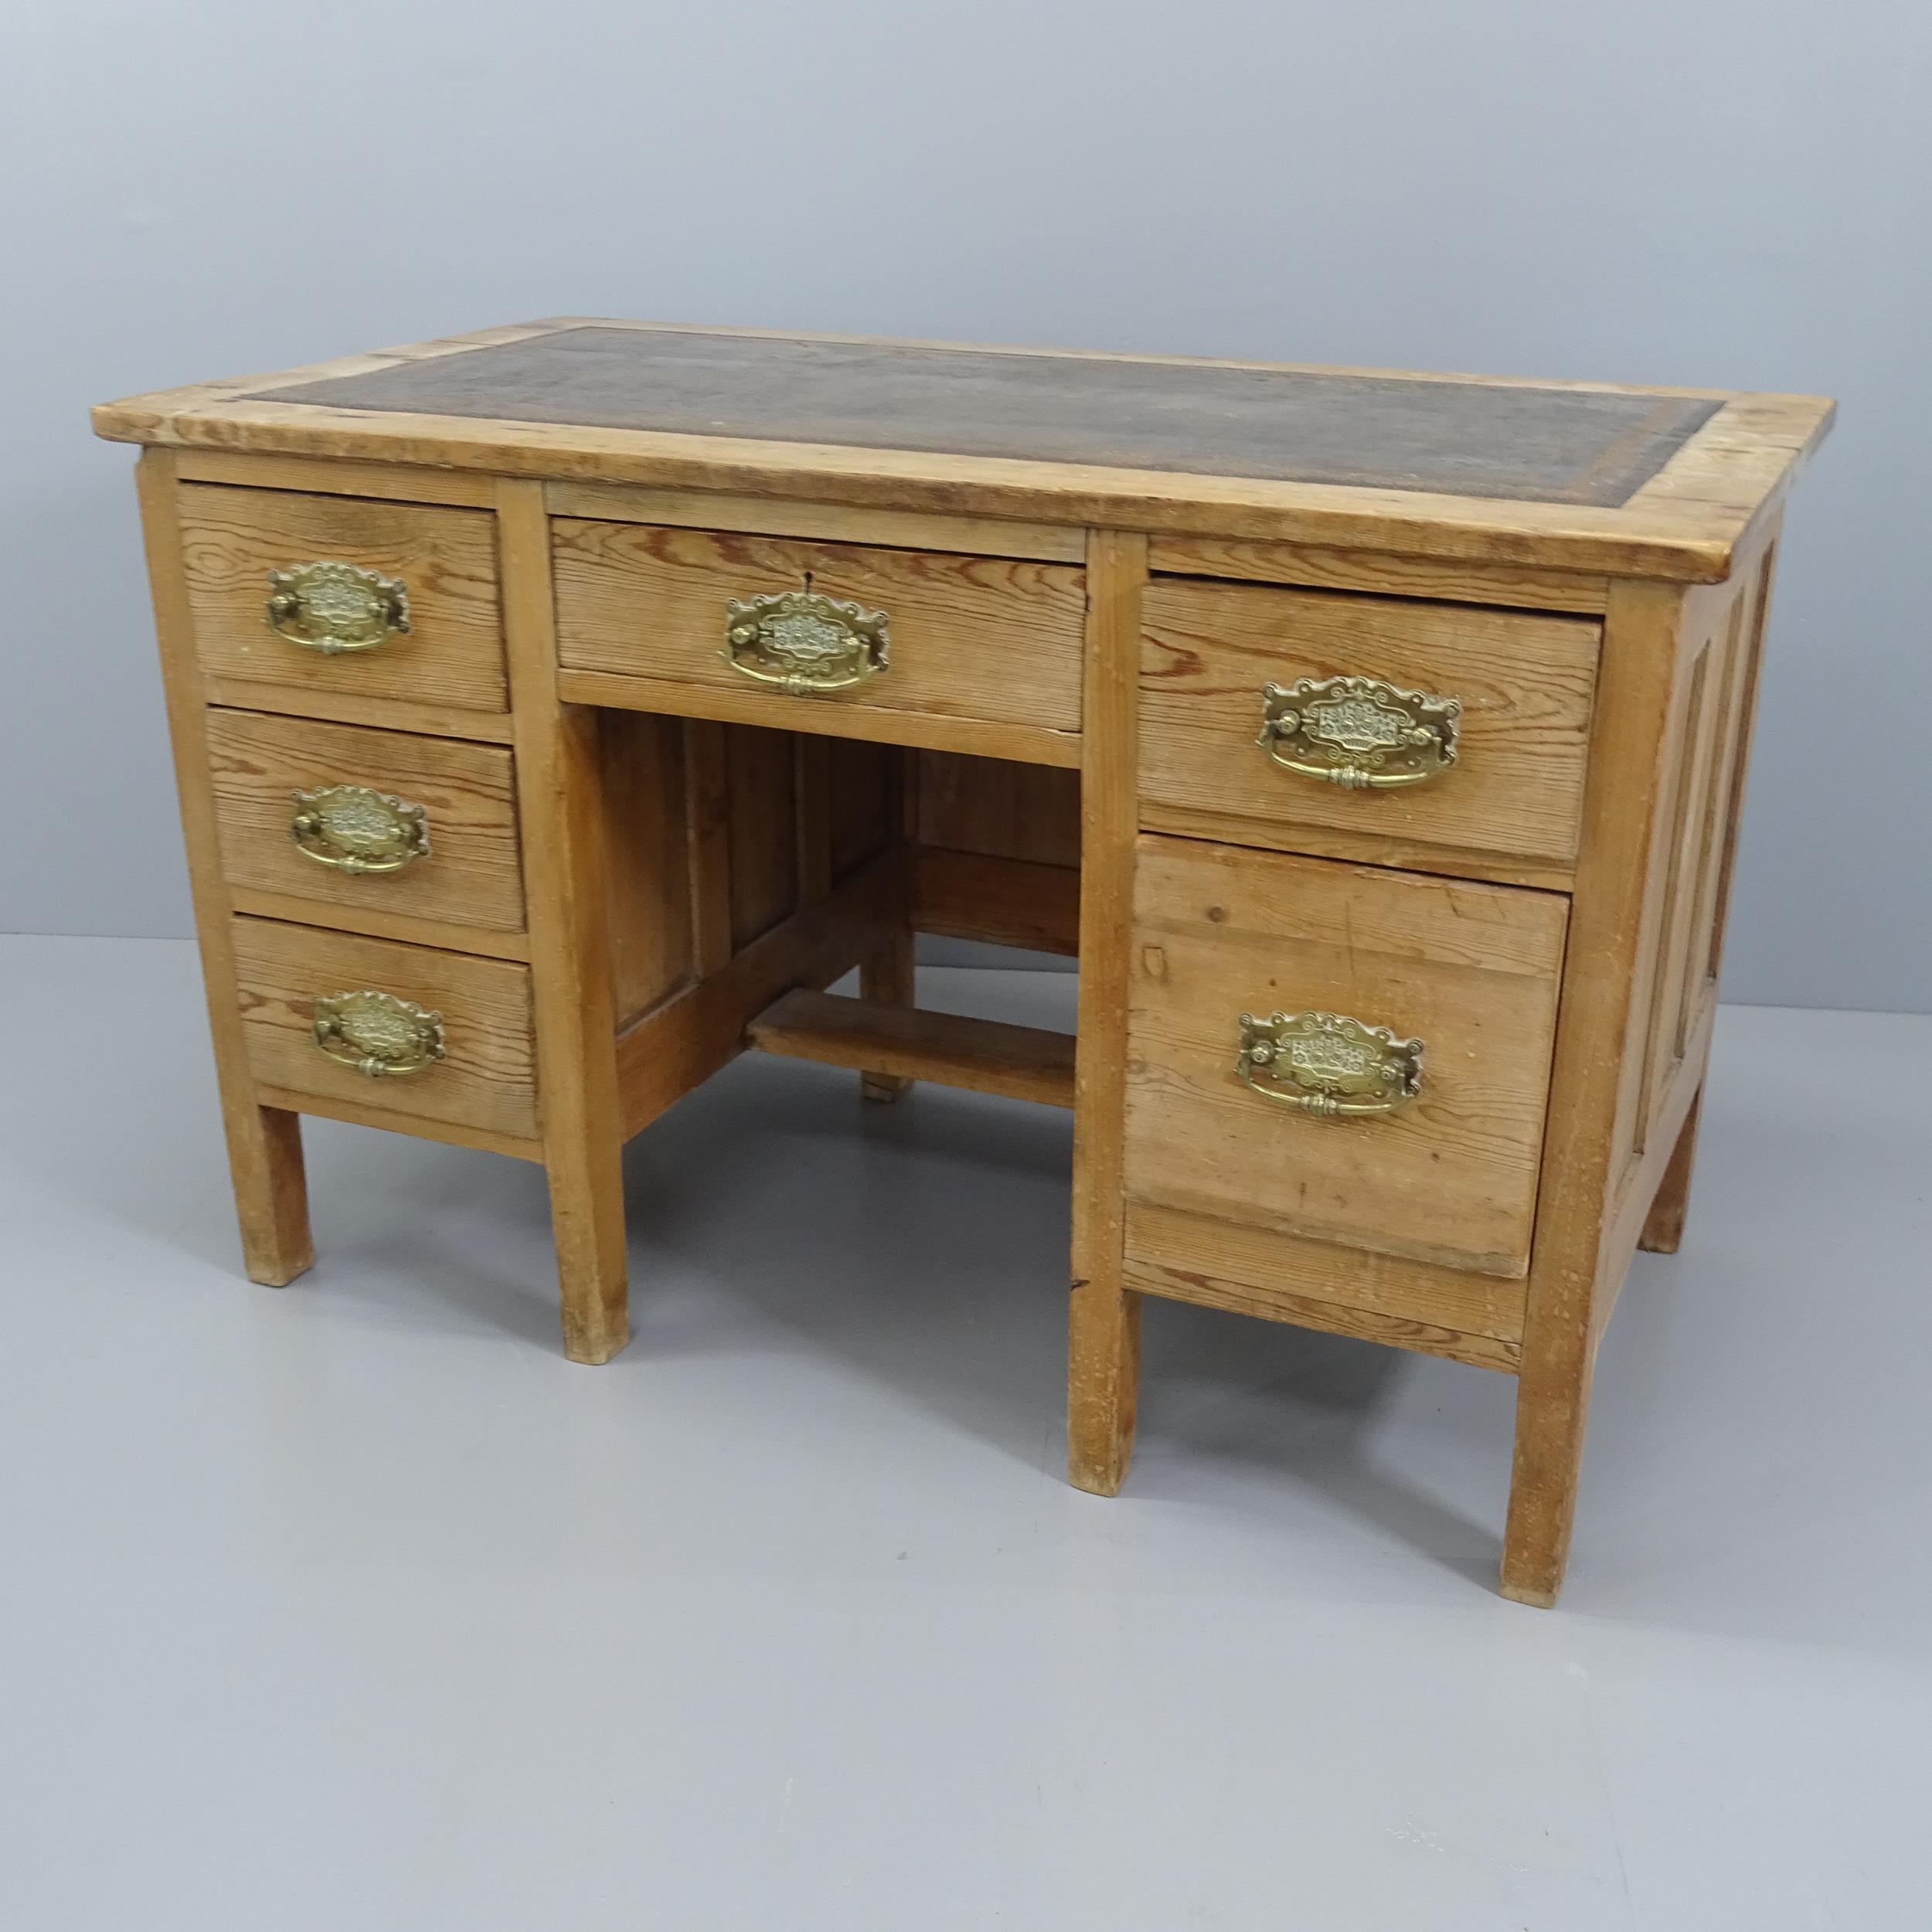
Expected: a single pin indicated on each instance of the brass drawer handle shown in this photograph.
(1358, 733)
(357, 829)
(804, 643)
(1328, 1064)
(377, 1034)
(336, 607)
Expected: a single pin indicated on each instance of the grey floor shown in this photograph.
(355, 1606)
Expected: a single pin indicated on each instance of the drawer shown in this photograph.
(995, 639)
(1272, 1139)
(1523, 685)
(244, 548)
(378, 822)
(485, 1076)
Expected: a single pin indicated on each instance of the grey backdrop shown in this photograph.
(1730, 193)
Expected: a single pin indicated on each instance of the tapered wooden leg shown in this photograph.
(1102, 1384)
(271, 1192)
(560, 804)
(264, 1143)
(1103, 1325)
(1552, 1409)
(1664, 1226)
(1637, 738)
(1553, 1406)
(887, 976)
(587, 1222)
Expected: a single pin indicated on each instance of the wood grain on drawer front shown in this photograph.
(1471, 970)
(452, 653)
(469, 876)
(487, 1079)
(992, 638)
(1526, 682)
(1217, 1263)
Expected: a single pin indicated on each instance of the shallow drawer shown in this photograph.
(1301, 1122)
(367, 821)
(991, 638)
(1218, 659)
(264, 611)
(464, 1056)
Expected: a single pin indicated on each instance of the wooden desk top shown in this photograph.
(1638, 481)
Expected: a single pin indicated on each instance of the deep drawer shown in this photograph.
(1521, 686)
(478, 1071)
(367, 821)
(994, 639)
(251, 556)
(1283, 1128)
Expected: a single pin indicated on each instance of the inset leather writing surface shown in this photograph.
(1514, 442)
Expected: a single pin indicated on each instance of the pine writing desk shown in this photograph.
(557, 710)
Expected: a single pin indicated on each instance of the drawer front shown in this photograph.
(991, 638)
(376, 820)
(244, 547)
(1522, 684)
(1446, 1177)
(485, 1076)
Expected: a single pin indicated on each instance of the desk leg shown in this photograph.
(1664, 1226)
(560, 807)
(1642, 706)
(271, 1188)
(1103, 1334)
(1552, 1406)
(886, 972)
(887, 977)
(264, 1143)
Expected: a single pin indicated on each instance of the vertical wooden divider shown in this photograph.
(264, 1143)
(559, 805)
(1103, 1327)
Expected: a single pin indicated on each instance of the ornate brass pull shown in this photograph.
(377, 1034)
(336, 607)
(1328, 1064)
(1358, 733)
(804, 643)
(356, 829)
